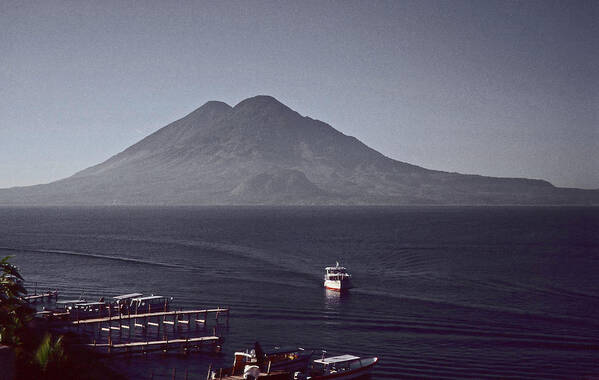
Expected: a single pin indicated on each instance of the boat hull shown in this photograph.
(337, 285)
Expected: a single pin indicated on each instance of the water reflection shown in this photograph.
(333, 299)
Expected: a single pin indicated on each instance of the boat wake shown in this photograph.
(94, 256)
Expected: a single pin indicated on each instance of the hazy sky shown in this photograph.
(495, 88)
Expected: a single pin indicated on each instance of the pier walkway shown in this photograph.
(41, 297)
(177, 314)
(185, 344)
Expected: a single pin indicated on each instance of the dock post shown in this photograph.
(129, 321)
(208, 376)
(109, 323)
(228, 310)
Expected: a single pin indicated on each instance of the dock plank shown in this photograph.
(146, 315)
(155, 342)
(36, 297)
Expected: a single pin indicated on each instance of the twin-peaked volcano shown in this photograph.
(262, 152)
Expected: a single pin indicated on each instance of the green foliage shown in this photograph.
(37, 358)
(15, 312)
(50, 356)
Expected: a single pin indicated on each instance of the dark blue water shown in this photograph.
(441, 292)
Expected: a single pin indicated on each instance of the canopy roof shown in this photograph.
(64, 302)
(148, 298)
(337, 359)
(127, 296)
(337, 266)
(91, 304)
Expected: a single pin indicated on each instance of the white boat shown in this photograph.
(68, 305)
(126, 298)
(340, 367)
(336, 278)
(281, 359)
(87, 309)
(150, 303)
(124, 302)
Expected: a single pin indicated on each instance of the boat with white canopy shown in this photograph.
(340, 367)
(336, 278)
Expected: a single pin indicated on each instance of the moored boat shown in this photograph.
(284, 358)
(87, 309)
(336, 278)
(125, 302)
(150, 303)
(275, 362)
(68, 305)
(340, 367)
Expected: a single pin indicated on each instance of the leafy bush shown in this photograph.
(50, 356)
(15, 312)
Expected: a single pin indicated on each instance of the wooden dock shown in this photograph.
(40, 297)
(187, 315)
(111, 328)
(183, 344)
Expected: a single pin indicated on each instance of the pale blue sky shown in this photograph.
(493, 88)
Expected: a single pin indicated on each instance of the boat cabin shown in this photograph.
(126, 297)
(241, 360)
(87, 308)
(124, 302)
(149, 304)
(336, 273)
(287, 354)
(68, 304)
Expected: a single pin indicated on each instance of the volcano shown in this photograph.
(263, 152)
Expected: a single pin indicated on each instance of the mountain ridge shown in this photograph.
(262, 152)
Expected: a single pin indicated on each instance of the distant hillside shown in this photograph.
(262, 152)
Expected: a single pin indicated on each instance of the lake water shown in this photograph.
(443, 292)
